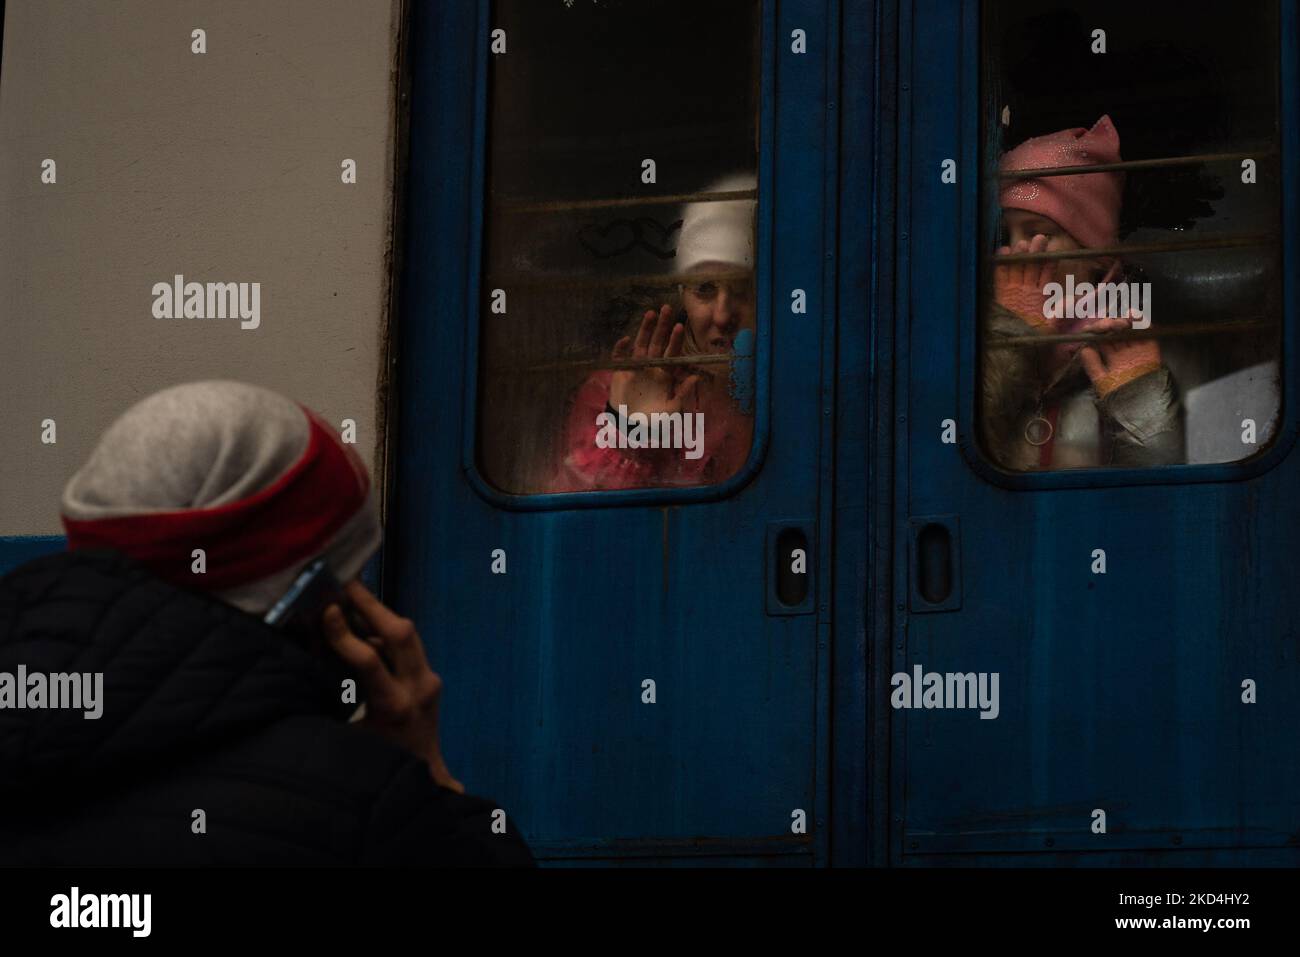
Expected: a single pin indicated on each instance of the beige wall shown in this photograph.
(223, 166)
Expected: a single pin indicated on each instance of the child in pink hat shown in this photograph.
(1070, 406)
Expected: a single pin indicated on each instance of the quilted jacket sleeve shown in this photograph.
(416, 823)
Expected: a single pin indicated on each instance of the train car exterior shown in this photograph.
(1122, 736)
(756, 666)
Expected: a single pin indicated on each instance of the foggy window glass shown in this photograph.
(1131, 308)
(618, 296)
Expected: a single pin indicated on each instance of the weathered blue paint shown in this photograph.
(862, 521)
(544, 665)
(1119, 691)
(17, 550)
(741, 385)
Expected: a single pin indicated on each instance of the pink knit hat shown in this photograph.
(1085, 205)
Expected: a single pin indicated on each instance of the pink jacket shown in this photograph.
(584, 466)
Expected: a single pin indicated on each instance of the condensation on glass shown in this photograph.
(1160, 342)
(621, 178)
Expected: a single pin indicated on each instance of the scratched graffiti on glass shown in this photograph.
(618, 318)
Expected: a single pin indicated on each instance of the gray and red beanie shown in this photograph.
(258, 481)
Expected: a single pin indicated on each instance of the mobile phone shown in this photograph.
(299, 610)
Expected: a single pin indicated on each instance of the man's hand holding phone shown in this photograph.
(401, 701)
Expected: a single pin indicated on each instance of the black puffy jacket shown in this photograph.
(204, 708)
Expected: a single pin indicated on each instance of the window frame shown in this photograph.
(763, 279)
(972, 249)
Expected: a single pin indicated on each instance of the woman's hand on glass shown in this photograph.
(653, 389)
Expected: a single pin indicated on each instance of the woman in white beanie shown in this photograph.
(714, 266)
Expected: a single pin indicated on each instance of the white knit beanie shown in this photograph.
(719, 231)
(257, 480)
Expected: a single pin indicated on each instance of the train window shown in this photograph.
(1131, 290)
(617, 320)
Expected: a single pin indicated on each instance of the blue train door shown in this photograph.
(1107, 533)
(633, 645)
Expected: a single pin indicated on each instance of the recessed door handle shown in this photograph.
(935, 563)
(789, 561)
